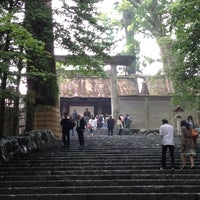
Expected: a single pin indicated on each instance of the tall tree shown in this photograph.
(132, 45)
(38, 21)
(15, 40)
(42, 80)
(186, 70)
(83, 35)
(150, 18)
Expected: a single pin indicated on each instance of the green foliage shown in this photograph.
(125, 5)
(82, 36)
(15, 41)
(186, 70)
(121, 25)
(42, 79)
(151, 17)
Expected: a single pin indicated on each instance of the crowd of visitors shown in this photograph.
(79, 123)
(87, 121)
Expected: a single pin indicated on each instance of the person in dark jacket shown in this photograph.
(80, 128)
(67, 124)
(110, 124)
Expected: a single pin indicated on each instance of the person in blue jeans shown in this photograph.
(167, 135)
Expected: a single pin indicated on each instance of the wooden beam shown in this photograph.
(120, 60)
(124, 60)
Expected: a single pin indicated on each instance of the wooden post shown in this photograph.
(146, 113)
(178, 110)
(114, 92)
(198, 118)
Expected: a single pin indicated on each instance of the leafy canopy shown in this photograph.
(186, 70)
(15, 41)
(79, 33)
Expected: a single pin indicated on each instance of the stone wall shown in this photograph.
(148, 111)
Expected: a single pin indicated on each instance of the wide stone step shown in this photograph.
(78, 171)
(101, 189)
(100, 196)
(82, 163)
(63, 170)
(77, 164)
(101, 182)
(132, 174)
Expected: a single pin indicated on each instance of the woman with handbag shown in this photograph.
(195, 133)
(187, 144)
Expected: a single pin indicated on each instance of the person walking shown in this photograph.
(67, 124)
(120, 125)
(191, 122)
(187, 144)
(167, 135)
(87, 115)
(92, 123)
(74, 119)
(127, 121)
(80, 128)
(110, 124)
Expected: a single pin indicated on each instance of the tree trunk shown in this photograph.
(131, 43)
(3, 86)
(16, 100)
(2, 104)
(166, 59)
(41, 90)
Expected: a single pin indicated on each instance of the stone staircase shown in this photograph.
(109, 167)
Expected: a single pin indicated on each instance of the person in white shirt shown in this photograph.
(167, 135)
(93, 125)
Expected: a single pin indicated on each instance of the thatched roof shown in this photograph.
(157, 85)
(96, 87)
